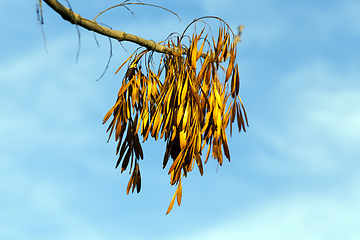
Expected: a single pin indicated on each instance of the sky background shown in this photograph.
(293, 175)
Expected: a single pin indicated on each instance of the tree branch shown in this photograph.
(91, 25)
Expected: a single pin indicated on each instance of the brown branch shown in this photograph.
(91, 25)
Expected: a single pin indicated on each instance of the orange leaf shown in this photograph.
(171, 204)
(208, 152)
(231, 65)
(242, 105)
(179, 193)
(131, 181)
(233, 84)
(237, 80)
(201, 49)
(176, 161)
(194, 54)
(124, 63)
(199, 163)
(225, 145)
(124, 87)
(108, 114)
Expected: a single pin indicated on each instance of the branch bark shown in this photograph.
(74, 18)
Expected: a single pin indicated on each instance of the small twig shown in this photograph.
(78, 31)
(138, 3)
(40, 19)
(74, 18)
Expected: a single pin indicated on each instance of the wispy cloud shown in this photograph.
(317, 216)
(294, 175)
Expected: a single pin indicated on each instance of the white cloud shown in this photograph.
(275, 24)
(331, 215)
(338, 114)
(313, 137)
(315, 122)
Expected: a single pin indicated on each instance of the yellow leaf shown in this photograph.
(218, 98)
(184, 90)
(147, 129)
(208, 152)
(176, 161)
(131, 181)
(124, 63)
(137, 123)
(173, 133)
(222, 56)
(167, 99)
(198, 143)
(118, 129)
(128, 110)
(149, 86)
(124, 87)
(123, 128)
(154, 90)
(158, 127)
(201, 48)
(230, 67)
(194, 92)
(180, 113)
(233, 84)
(179, 193)
(182, 139)
(194, 54)
(225, 48)
(186, 116)
(168, 120)
(207, 122)
(171, 204)
(219, 43)
(108, 114)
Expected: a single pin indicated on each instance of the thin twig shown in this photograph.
(138, 3)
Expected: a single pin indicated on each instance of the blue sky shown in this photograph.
(292, 175)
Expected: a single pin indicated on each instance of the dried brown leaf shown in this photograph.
(167, 154)
(237, 80)
(208, 153)
(176, 161)
(126, 160)
(242, 105)
(201, 48)
(199, 163)
(231, 65)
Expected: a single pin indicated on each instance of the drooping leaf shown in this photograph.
(171, 204)
(179, 193)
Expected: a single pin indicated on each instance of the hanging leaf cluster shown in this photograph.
(182, 101)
